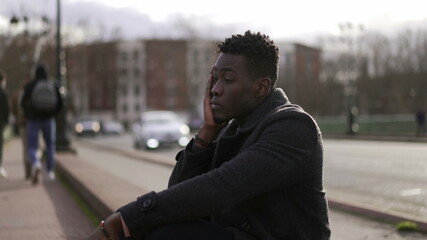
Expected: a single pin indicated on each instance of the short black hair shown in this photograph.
(41, 71)
(261, 52)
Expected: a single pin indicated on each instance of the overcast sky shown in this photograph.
(281, 19)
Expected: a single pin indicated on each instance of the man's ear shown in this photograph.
(263, 86)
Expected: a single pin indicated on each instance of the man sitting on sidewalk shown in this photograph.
(253, 171)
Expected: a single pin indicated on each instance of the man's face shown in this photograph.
(233, 90)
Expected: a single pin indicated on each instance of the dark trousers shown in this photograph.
(193, 230)
(1, 143)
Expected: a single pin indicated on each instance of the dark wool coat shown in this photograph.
(261, 180)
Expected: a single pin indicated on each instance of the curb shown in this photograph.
(95, 203)
(102, 192)
(376, 138)
(376, 214)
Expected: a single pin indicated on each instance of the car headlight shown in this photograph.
(78, 127)
(152, 143)
(183, 141)
(184, 129)
(96, 127)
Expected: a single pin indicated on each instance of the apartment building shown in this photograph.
(299, 76)
(120, 80)
(92, 79)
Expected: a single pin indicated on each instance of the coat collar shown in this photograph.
(277, 98)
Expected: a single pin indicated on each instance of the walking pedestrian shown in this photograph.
(4, 118)
(21, 125)
(421, 122)
(41, 101)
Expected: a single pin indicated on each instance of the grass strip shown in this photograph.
(93, 218)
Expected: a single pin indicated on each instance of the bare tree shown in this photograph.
(404, 55)
(378, 49)
(421, 50)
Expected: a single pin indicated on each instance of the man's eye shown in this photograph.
(227, 80)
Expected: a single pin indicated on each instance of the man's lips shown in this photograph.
(215, 104)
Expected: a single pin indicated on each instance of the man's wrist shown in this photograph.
(208, 133)
(203, 142)
(104, 231)
(113, 225)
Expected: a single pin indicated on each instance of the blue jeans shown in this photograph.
(48, 128)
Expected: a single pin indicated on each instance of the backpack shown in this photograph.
(44, 96)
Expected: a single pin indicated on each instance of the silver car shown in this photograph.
(160, 128)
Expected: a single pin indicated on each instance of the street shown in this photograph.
(390, 170)
(367, 172)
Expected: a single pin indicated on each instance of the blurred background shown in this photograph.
(357, 66)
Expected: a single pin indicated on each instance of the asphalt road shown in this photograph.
(357, 169)
(392, 174)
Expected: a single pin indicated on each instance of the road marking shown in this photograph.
(411, 192)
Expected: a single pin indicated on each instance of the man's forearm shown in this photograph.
(191, 163)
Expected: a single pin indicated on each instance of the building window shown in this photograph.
(136, 72)
(124, 56)
(124, 73)
(125, 108)
(135, 55)
(98, 98)
(171, 91)
(137, 90)
(170, 103)
(170, 69)
(99, 63)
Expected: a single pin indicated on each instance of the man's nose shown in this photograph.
(216, 89)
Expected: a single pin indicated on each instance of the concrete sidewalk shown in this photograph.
(44, 211)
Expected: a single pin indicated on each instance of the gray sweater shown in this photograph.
(261, 180)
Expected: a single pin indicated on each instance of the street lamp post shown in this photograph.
(62, 141)
(348, 31)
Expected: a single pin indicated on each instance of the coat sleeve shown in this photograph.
(280, 157)
(190, 164)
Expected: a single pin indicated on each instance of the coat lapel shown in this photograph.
(233, 136)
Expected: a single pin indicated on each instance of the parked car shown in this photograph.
(87, 126)
(112, 127)
(160, 128)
